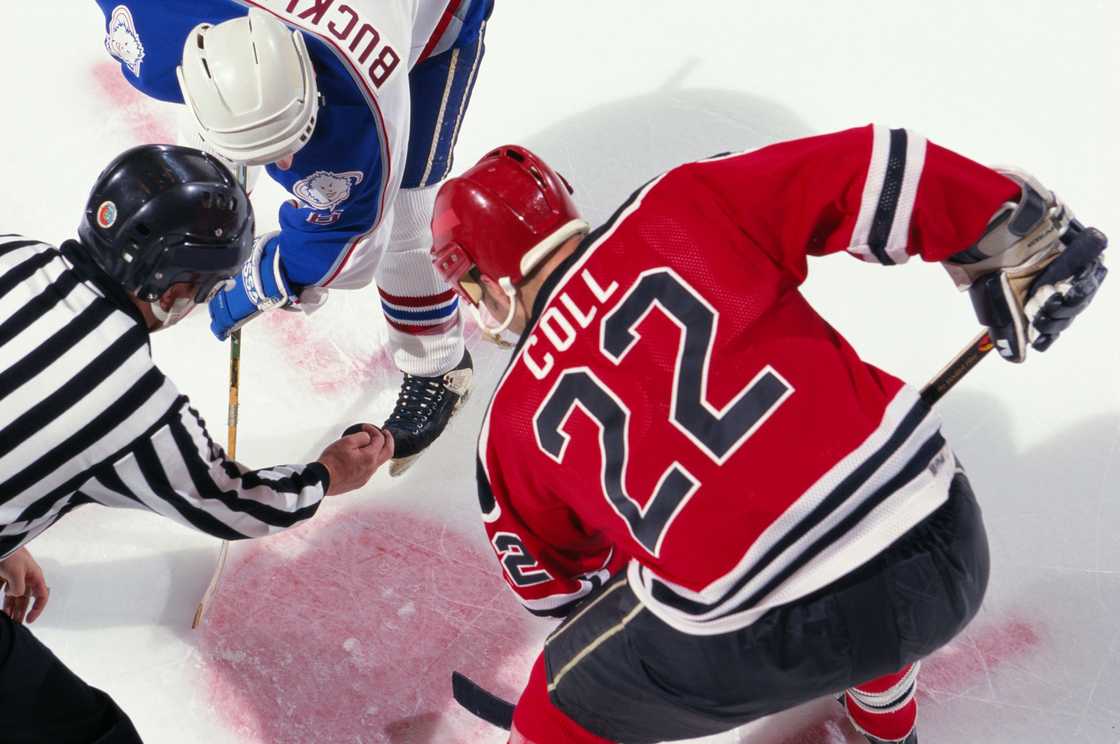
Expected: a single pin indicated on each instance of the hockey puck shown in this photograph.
(352, 429)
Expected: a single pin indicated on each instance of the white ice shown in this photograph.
(612, 93)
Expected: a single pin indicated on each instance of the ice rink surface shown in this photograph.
(345, 630)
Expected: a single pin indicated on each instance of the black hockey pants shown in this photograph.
(41, 701)
(646, 682)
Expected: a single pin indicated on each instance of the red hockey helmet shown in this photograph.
(504, 215)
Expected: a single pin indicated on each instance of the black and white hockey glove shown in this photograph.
(1033, 271)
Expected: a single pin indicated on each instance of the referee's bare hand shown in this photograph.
(24, 586)
(353, 459)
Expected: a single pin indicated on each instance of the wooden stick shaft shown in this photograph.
(960, 365)
(231, 442)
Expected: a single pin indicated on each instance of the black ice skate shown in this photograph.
(424, 406)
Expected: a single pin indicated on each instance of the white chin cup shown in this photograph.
(180, 309)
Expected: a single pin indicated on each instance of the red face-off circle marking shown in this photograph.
(347, 629)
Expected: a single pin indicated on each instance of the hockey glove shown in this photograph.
(261, 285)
(1034, 269)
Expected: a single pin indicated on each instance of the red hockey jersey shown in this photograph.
(678, 409)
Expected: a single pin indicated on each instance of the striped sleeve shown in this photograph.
(180, 473)
(86, 417)
(880, 194)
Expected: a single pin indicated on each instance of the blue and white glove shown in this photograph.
(260, 286)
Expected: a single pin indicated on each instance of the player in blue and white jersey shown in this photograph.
(354, 108)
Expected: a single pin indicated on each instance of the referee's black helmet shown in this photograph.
(163, 214)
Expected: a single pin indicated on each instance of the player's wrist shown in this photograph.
(263, 277)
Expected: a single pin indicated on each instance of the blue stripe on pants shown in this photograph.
(441, 89)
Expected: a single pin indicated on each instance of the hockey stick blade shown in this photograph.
(479, 702)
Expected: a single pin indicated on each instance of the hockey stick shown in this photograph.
(498, 712)
(231, 442)
(961, 365)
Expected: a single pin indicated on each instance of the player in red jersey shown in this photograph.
(733, 511)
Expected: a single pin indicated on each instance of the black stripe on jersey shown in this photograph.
(22, 271)
(919, 462)
(21, 319)
(15, 245)
(104, 472)
(72, 391)
(9, 543)
(152, 470)
(54, 347)
(111, 481)
(557, 612)
(295, 483)
(100, 426)
(888, 198)
(486, 500)
(565, 609)
(207, 488)
(836, 498)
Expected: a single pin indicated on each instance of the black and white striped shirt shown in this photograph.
(86, 416)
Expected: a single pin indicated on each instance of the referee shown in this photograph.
(86, 417)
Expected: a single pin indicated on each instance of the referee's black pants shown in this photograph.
(43, 702)
(621, 673)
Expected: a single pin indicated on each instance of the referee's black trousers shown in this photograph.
(43, 702)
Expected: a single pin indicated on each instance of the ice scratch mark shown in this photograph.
(308, 347)
(947, 675)
(328, 646)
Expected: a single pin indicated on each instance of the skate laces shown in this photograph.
(417, 401)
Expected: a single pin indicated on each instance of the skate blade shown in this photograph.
(398, 466)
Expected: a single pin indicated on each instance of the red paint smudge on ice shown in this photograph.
(348, 630)
(965, 662)
(137, 110)
(968, 659)
(307, 346)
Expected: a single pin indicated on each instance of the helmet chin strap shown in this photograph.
(180, 309)
(494, 333)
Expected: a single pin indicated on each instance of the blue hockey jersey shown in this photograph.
(346, 177)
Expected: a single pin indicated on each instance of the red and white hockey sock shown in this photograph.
(425, 331)
(885, 708)
(537, 721)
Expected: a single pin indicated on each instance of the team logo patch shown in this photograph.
(324, 190)
(122, 41)
(106, 214)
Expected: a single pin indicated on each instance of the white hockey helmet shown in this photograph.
(250, 87)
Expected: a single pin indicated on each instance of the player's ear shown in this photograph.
(490, 287)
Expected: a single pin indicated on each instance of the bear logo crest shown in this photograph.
(325, 190)
(122, 41)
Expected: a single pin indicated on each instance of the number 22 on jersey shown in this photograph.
(718, 433)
